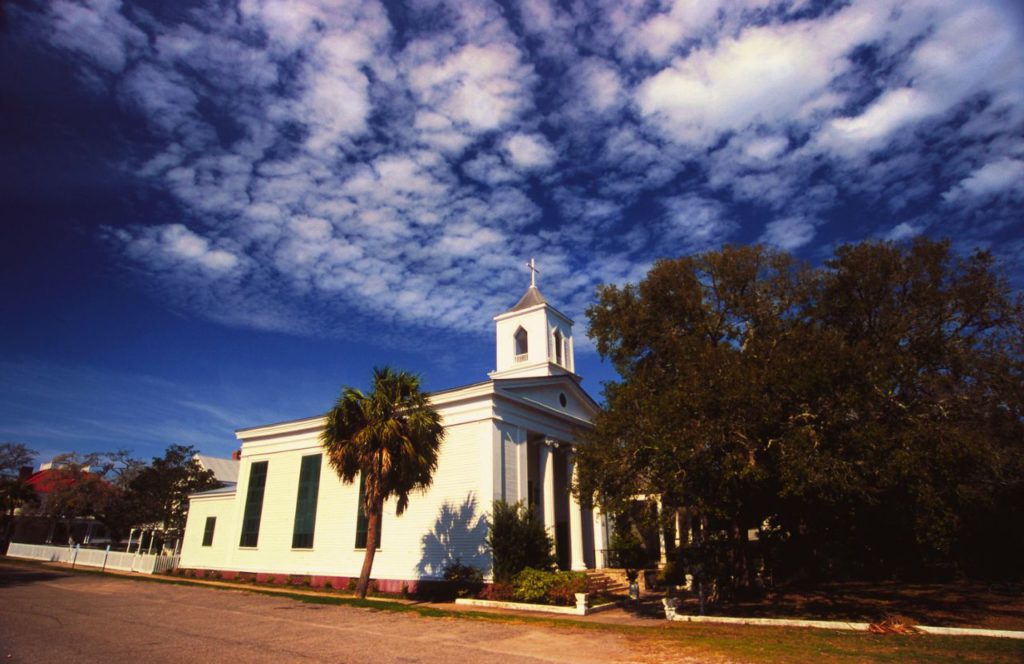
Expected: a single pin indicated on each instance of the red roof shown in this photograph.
(44, 481)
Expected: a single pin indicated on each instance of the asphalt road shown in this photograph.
(53, 616)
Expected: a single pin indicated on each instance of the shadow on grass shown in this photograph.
(953, 605)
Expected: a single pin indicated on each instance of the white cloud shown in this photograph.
(478, 87)
(764, 75)
(176, 244)
(903, 231)
(529, 151)
(789, 233)
(97, 30)
(693, 223)
(313, 149)
(993, 178)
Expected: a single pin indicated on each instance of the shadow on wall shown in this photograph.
(458, 534)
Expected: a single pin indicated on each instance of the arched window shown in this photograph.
(522, 345)
(558, 348)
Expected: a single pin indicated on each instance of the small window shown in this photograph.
(211, 523)
(522, 342)
(559, 342)
(562, 400)
(363, 522)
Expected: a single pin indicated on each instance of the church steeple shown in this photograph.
(533, 338)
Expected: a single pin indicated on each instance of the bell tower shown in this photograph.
(533, 338)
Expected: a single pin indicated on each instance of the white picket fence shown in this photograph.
(127, 562)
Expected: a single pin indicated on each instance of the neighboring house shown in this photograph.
(35, 529)
(509, 437)
(159, 535)
(224, 470)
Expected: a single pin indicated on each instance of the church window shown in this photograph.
(363, 522)
(305, 502)
(211, 523)
(562, 400)
(558, 348)
(522, 344)
(254, 504)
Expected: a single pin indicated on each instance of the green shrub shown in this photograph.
(351, 586)
(328, 585)
(563, 591)
(465, 580)
(543, 587)
(518, 540)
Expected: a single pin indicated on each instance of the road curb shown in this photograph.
(847, 626)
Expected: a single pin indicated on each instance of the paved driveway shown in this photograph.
(52, 616)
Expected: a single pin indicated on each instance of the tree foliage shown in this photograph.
(866, 415)
(158, 493)
(390, 437)
(14, 491)
(77, 487)
(518, 540)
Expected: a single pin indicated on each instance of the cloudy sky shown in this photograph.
(212, 215)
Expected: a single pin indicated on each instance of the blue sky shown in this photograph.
(213, 215)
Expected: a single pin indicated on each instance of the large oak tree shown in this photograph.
(866, 415)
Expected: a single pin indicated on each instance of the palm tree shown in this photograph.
(391, 437)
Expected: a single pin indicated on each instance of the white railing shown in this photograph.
(519, 359)
(126, 562)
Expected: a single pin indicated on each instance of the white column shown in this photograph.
(662, 548)
(680, 538)
(131, 534)
(600, 538)
(546, 468)
(576, 559)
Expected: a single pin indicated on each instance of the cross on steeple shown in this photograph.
(533, 273)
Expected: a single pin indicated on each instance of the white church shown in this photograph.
(510, 437)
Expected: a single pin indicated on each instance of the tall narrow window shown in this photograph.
(559, 343)
(363, 522)
(522, 343)
(305, 503)
(211, 523)
(254, 504)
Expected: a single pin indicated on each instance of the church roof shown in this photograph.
(531, 298)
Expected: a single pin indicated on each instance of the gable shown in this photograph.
(548, 392)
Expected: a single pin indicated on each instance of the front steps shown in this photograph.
(609, 581)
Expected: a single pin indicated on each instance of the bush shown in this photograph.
(499, 592)
(563, 591)
(543, 587)
(351, 586)
(518, 540)
(465, 580)
(328, 585)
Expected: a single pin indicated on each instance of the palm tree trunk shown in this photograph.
(372, 538)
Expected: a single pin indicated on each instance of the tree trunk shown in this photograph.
(372, 538)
